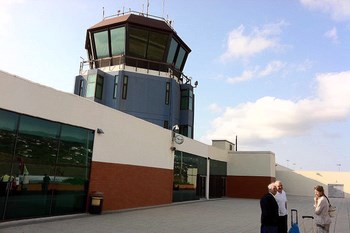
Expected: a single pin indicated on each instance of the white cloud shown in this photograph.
(242, 45)
(270, 68)
(339, 10)
(333, 35)
(215, 108)
(270, 118)
(245, 76)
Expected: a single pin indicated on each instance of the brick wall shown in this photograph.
(247, 186)
(128, 186)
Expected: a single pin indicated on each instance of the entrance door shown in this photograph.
(201, 181)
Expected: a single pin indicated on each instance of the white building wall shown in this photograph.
(251, 163)
(302, 183)
(126, 139)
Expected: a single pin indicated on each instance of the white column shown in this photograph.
(207, 180)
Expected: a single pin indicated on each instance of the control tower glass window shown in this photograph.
(156, 46)
(118, 41)
(101, 44)
(138, 42)
(172, 51)
(147, 44)
(180, 58)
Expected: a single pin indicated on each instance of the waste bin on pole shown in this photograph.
(96, 203)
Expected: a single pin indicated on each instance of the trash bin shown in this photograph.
(96, 203)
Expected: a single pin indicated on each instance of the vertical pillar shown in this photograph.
(207, 180)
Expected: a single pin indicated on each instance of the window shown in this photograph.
(125, 87)
(186, 130)
(186, 99)
(167, 93)
(172, 51)
(81, 87)
(91, 85)
(147, 44)
(156, 46)
(137, 42)
(99, 87)
(118, 41)
(94, 86)
(101, 44)
(166, 125)
(50, 159)
(180, 58)
(115, 90)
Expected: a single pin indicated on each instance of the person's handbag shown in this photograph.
(332, 210)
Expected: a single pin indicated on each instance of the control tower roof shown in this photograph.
(133, 19)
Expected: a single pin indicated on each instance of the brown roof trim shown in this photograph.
(133, 19)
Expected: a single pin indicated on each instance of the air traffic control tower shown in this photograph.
(135, 65)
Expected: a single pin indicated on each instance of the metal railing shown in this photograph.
(137, 63)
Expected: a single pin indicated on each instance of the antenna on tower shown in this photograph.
(147, 8)
(103, 13)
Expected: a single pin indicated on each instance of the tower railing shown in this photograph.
(136, 63)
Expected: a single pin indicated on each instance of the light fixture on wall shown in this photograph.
(100, 131)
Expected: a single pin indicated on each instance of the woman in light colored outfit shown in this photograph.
(322, 218)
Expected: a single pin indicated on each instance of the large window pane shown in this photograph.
(180, 58)
(156, 46)
(138, 42)
(172, 51)
(37, 141)
(91, 85)
(101, 44)
(186, 99)
(118, 41)
(47, 166)
(8, 127)
(99, 87)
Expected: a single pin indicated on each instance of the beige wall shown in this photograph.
(301, 183)
(251, 163)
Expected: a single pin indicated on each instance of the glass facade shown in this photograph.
(188, 170)
(190, 174)
(44, 165)
(217, 181)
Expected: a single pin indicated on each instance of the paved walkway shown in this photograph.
(229, 215)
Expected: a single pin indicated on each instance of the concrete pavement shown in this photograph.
(227, 215)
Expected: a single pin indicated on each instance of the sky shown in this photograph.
(276, 74)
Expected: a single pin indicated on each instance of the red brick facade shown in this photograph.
(128, 186)
(248, 186)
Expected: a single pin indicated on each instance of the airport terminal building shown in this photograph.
(115, 134)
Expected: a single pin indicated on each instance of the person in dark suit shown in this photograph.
(269, 211)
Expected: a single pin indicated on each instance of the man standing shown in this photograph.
(269, 211)
(281, 199)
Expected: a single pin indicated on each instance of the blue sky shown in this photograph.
(274, 73)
